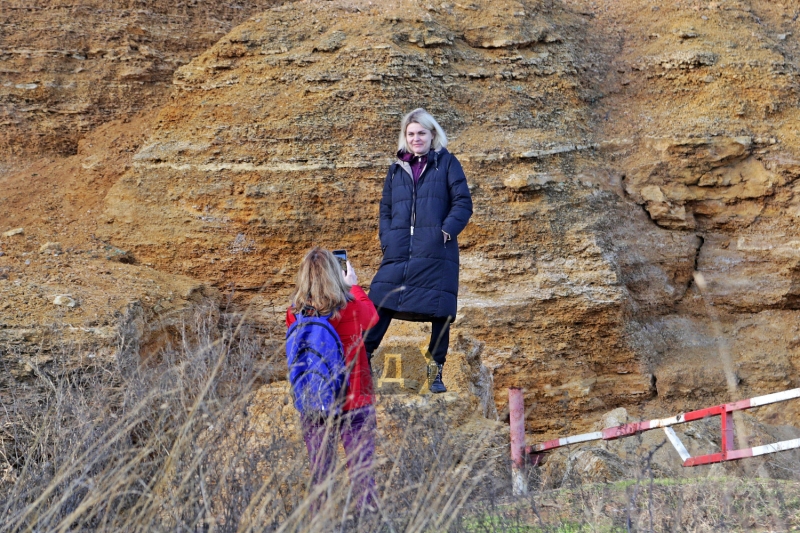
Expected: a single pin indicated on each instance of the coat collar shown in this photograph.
(433, 159)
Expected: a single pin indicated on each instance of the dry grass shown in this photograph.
(168, 446)
(171, 446)
(666, 505)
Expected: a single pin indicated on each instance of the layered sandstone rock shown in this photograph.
(68, 67)
(278, 138)
(704, 94)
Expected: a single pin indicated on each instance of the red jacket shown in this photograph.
(358, 316)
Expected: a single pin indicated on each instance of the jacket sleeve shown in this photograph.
(460, 200)
(386, 206)
(367, 315)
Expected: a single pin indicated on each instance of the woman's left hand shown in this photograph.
(350, 276)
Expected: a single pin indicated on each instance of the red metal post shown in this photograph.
(516, 408)
(704, 459)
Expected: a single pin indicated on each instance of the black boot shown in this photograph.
(436, 385)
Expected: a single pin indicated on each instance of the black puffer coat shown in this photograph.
(418, 277)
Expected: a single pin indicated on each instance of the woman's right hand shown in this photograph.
(350, 276)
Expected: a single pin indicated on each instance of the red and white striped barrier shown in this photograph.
(727, 425)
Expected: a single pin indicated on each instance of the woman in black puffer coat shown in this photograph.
(425, 205)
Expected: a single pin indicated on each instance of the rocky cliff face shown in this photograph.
(68, 67)
(78, 85)
(633, 170)
(704, 96)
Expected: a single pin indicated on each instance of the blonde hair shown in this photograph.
(424, 119)
(320, 284)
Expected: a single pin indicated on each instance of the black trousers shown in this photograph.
(440, 335)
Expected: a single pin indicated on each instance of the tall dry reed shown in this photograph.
(168, 444)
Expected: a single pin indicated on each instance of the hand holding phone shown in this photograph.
(350, 276)
(347, 269)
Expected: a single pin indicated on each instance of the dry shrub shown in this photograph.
(170, 445)
(167, 445)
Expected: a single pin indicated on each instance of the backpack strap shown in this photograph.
(309, 310)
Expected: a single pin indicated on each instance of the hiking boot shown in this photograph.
(436, 385)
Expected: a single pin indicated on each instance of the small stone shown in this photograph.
(50, 248)
(700, 280)
(531, 182)
(64, 299)
(653, 193)
(331, 43)
(516, 182)
(12, 232)
(688, 33)
(2, 254)
(120, 256)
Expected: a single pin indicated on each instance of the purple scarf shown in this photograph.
(417, 163)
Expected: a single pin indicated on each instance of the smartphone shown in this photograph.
(341, 255)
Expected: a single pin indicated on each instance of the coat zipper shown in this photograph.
(414, 202)
(413, 221)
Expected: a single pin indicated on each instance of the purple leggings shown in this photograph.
(357, 430)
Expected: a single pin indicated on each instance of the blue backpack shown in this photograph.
(315, 356)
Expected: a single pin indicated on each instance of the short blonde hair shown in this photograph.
(424, 119)
(320, 284)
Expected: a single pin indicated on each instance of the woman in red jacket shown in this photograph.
(322, 288)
